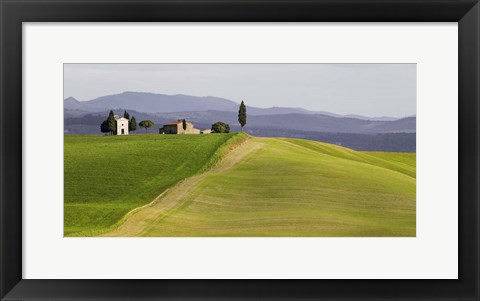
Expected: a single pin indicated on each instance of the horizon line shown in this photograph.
(258, 107)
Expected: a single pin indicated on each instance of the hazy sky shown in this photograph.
(365, 89)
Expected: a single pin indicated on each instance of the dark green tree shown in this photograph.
(217, 128)
(104, 127)
(146, 124)
(126, 115)
(132, 125)
(184, 125)
(220, 127)
(112, 123)
(242, 116)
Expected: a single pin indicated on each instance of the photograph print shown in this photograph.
(239, 150)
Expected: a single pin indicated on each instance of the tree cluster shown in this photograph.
(220, 127)
(110, 124)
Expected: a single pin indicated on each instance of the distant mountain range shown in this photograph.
(85, 117)
(162, 103)
(301, 122)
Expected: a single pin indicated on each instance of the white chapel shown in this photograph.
(122, 125)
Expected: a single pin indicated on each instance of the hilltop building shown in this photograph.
(176, 127)
(122, 125)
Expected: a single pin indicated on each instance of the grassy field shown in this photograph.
(291, 187)
(107, 176)
(263, 187)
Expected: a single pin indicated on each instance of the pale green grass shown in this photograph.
(401, 162)
(301, 188)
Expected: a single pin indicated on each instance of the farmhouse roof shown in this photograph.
(176, 122)
(173, 123)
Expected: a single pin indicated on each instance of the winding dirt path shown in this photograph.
(137, 221)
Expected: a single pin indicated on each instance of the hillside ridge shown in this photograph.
(148, 220)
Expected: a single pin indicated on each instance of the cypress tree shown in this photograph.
(184, 125)
(132, 125)
(112, 123)
(242, 116)
(104, 127)
(126, 115)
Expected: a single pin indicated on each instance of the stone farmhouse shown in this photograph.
(176, 127)
(122, 125)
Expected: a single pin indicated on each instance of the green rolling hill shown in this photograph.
(107, 176)
(259, 187)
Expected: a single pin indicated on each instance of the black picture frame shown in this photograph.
(14, 12)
